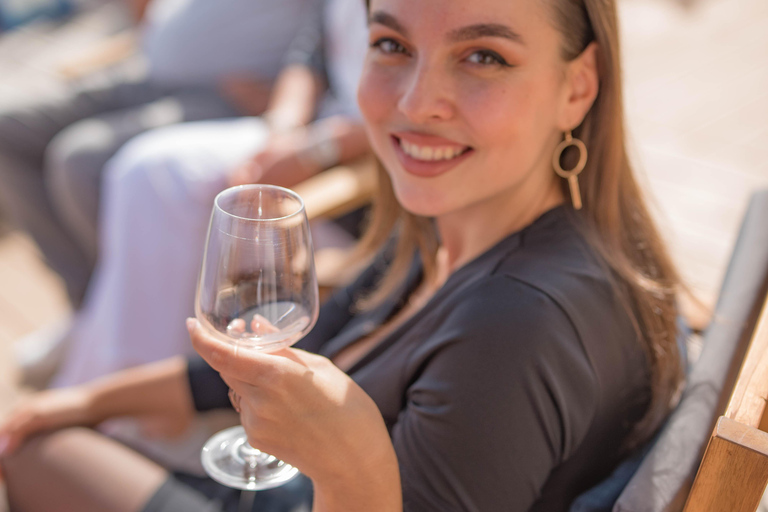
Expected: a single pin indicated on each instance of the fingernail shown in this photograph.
(191, 324)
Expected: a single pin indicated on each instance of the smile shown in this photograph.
(431, 153)
(428, 156)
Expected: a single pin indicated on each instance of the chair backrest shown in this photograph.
(664, 478)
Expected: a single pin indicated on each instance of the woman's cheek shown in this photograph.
(369, 94)
(379, 90)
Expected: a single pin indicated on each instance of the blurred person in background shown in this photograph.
(201, 60)
(158, 192)
(157, 195)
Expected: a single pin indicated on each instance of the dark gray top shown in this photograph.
(512, 389)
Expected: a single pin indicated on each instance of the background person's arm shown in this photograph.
(158, 391)
(138, 9)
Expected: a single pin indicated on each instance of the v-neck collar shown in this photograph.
(366, 323)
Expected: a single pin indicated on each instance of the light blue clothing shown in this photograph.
(196, 42)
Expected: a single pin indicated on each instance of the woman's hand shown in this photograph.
(302, 409)
(47, 410)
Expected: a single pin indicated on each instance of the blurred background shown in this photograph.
(696, 94)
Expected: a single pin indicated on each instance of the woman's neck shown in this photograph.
(468, 233)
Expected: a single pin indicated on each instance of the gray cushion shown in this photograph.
(665, 475)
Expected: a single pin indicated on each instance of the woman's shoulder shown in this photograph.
(549, 292)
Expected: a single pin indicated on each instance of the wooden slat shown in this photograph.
(734, 471)
(747, 403)
(338, 190)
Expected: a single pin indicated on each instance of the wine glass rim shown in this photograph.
(284, 190)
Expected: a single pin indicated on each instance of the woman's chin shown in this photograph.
(421, 204)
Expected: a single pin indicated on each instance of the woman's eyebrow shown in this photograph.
(460, 34)
(383, 18)
(484, 30)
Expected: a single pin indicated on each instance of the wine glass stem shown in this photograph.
(250, 455)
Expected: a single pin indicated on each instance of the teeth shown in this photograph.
(430, 153)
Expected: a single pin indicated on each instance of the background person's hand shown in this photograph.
(249, 95)
(47, 410)
(278, 163)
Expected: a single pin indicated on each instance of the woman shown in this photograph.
(529, 345)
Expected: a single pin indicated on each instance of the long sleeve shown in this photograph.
(506, 397)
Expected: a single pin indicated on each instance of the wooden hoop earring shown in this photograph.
(571, 175)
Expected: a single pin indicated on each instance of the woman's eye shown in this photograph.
(487, 58)
(388, 46)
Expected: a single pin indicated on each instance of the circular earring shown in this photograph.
(571, 175)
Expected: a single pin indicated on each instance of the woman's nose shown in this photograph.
(425, 97)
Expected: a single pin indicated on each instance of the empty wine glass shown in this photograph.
(258, 291)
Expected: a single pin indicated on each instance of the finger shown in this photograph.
(228, 359)
(236, 326)
(260, 325)
(5, 440)
(239, 176)
(242, 388)
(15, 431)
(247, 173)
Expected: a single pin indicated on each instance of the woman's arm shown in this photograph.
(159, 391)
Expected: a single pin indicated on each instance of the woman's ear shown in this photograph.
(582, 84)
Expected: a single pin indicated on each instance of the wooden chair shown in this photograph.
(733, 473)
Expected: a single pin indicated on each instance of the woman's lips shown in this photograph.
(428, 156)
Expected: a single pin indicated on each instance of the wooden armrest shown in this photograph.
(734, 471)
(106, 53)
(328, 195)
(747, 403)
(338, 190)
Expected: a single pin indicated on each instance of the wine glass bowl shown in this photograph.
(258, 264)
(257, 290)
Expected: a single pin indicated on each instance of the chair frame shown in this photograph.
(734, 470)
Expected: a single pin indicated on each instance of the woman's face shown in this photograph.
(463, 100)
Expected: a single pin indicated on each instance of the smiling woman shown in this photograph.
(515, 337)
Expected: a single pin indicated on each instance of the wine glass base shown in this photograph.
(228, 459)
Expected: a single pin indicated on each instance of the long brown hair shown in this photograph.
(619, 226)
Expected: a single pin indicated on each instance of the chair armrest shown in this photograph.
(734, 471)
(338, 190)
(747, 402)
(331, 194)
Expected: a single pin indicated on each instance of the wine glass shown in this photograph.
(258, 291)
